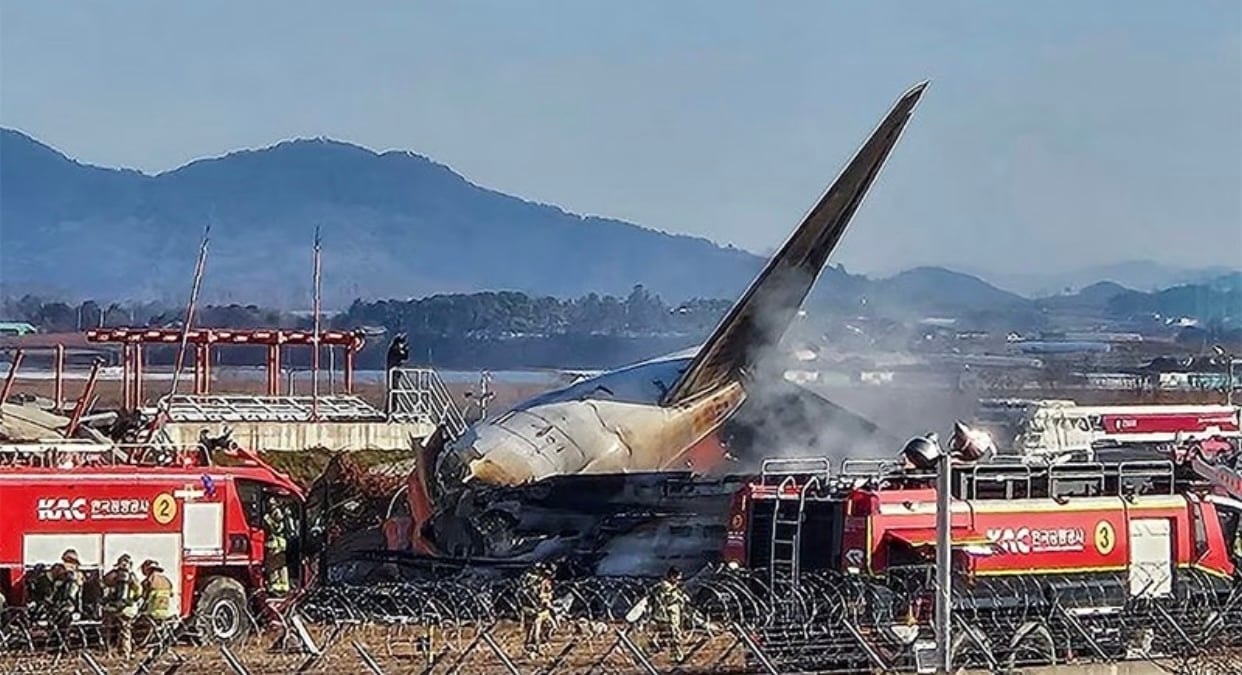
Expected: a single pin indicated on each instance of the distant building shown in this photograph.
(802, 376)
(1114, 381)
(1181, 322)
(876, 377)
(1059, 347)
(16, 329)
(1190, 373)
(1103, 337)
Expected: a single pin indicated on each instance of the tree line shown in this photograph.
(490, 315)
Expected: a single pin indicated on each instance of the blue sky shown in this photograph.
(1055, 134)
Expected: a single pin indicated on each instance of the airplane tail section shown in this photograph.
(763, 314)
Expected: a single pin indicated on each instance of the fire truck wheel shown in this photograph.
(221, 614)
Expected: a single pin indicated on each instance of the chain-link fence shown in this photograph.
(828, 622)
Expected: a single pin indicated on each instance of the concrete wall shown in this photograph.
(295, 436)
(1126, 668)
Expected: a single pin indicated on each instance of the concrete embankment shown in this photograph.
(1126, 668)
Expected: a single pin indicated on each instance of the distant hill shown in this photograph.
(1227, 282)
(1091, 299)
(937, 289)
(1216, 301)
(395, 225)
(1142, 275)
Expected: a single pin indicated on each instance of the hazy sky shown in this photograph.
(1055, 134)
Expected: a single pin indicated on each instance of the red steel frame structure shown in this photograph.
(203, 339)
(16, 357)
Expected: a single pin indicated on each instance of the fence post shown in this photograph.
(367, 659)
(233, 662)
(500, 653)
(92, 663)
(637, 654)
(753, 648)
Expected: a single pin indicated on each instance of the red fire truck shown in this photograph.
(1060, 555)
(1061, 428)
(202, 522)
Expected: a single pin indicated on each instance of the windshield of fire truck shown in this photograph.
(1230, 518)
(257, 500)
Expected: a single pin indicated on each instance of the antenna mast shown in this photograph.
(189, 310)
(315, 341)
(166, 404)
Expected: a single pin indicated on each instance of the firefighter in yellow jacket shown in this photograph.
(668, 601)
(157, 594)
(535, 596)
(276, 526)
(121, 595)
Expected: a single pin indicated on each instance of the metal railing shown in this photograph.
(420, 394)
(249, 408)
(781, 468)
(70, 454)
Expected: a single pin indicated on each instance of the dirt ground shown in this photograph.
(409, 649)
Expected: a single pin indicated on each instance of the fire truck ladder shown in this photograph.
(786, 538)
(784, 567)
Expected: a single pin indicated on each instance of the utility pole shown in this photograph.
(189, 310)
(1229, 380)
(944, 564)
(315, 341)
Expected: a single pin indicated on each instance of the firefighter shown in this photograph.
(122, 593)
(398, 352)
(157, 593)
(42, 585)
(276, 526)
(67, 586)
(667, 602)
(536, 599)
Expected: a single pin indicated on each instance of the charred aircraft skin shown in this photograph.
(640, 523)
(646, 417)
(634, 524)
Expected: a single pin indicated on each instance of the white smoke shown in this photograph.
(781, 419)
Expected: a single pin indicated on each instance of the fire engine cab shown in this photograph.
(204, 523)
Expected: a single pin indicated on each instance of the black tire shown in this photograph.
(221, 615)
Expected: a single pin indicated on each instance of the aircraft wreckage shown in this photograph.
(612, 469)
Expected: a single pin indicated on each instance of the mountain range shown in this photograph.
(395, 224)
